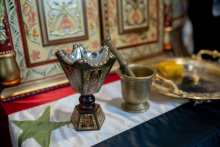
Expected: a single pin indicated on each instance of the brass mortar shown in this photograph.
(136, 90)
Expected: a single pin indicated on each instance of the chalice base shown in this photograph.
(135, 108)
(88, 120)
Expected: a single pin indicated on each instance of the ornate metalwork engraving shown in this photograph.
(75, 117)
(93, 79)
(100, 116)
(86, 76)
(87, 122)
(104, 73)
(73, 77)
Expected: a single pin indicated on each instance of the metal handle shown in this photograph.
(122, 62)
(198, 56)
(173, 88)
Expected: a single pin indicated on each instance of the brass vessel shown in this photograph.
(136, 90)
(9, 72)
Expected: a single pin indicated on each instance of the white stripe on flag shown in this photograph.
(116, 121)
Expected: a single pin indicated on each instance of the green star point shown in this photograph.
(39, 129)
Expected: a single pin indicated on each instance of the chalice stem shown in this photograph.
(87, 102)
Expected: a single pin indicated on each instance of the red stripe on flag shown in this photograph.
(43, 98)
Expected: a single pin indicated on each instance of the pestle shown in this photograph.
(122, 62)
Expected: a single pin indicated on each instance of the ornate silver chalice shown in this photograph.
(86, 72)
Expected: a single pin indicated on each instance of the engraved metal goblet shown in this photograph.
(86, 72)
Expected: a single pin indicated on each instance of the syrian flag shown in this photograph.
(44, 120)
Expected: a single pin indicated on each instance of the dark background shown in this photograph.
(206, 27)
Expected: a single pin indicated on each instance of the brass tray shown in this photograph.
(199, 81)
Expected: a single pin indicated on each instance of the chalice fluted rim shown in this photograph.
(81, 55)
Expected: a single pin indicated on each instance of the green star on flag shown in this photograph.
(39, 129)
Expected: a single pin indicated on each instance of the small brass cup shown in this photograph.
(136, 90)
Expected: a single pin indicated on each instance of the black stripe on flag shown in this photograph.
(184, 126)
